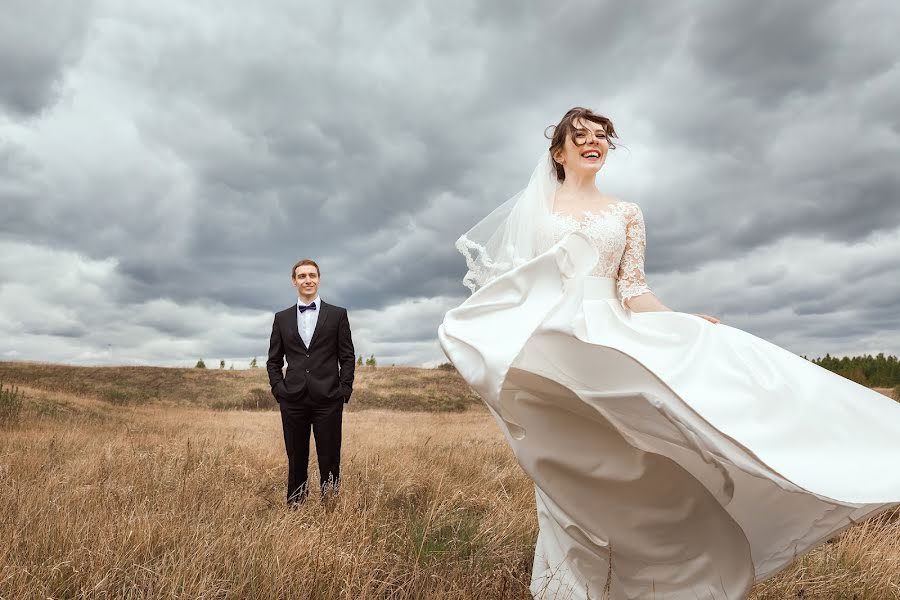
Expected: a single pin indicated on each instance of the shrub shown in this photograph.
(10, 404)
(259, 399)
(115, 395)
(200, 364)
(256, 399)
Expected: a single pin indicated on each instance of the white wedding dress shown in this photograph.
(672, 457)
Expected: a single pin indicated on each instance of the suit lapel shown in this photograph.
(324, 309)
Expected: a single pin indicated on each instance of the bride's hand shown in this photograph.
(707, 317)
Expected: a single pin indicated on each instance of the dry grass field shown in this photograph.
(134, 483)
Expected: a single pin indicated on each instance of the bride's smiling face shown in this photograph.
(585, 149)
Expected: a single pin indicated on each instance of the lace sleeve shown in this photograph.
(630, 278)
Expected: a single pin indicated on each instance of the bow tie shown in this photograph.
(303, 309)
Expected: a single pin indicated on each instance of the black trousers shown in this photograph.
(324, 419)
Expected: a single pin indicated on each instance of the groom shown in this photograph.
(315, 338)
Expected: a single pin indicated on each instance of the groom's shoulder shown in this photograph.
(286, 310)
(334, 306)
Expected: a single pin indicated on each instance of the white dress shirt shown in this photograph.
(306, 320)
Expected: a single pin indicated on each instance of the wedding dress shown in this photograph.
(672, 457)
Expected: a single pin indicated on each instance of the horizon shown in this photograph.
(213, 364)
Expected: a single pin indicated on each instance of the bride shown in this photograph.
(673, 456)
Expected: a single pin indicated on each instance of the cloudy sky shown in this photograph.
(163, 163)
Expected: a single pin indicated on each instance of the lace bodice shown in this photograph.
(618, 233)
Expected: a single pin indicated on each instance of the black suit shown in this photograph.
(312, 394)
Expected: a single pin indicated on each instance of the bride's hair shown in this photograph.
(566, 127)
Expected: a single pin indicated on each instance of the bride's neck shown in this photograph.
(579, 184)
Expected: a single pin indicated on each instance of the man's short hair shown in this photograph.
(305, 261)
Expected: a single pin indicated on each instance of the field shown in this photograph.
(169, 483)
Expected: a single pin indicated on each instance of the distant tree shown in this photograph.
(359, 361)
(221, 364)
(857, 374)
(231, 367)
(200, 364)
(253, 363)
(447, 366)
(370, 362)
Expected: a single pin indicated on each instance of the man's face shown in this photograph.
(306, 280)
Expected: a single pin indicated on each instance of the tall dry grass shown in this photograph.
(101, 500)
(177, 503)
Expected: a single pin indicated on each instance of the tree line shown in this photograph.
(872, 371)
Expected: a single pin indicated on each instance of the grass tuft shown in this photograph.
(10, 404)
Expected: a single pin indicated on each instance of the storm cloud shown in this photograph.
(163, 164)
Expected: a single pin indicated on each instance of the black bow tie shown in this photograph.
(303, 309)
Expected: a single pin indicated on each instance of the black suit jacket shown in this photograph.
(312, 371)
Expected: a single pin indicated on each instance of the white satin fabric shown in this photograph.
(672, 457)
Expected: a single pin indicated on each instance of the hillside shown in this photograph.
(392, 388)
(397, 388)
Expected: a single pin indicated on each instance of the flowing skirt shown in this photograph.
(672, 457)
